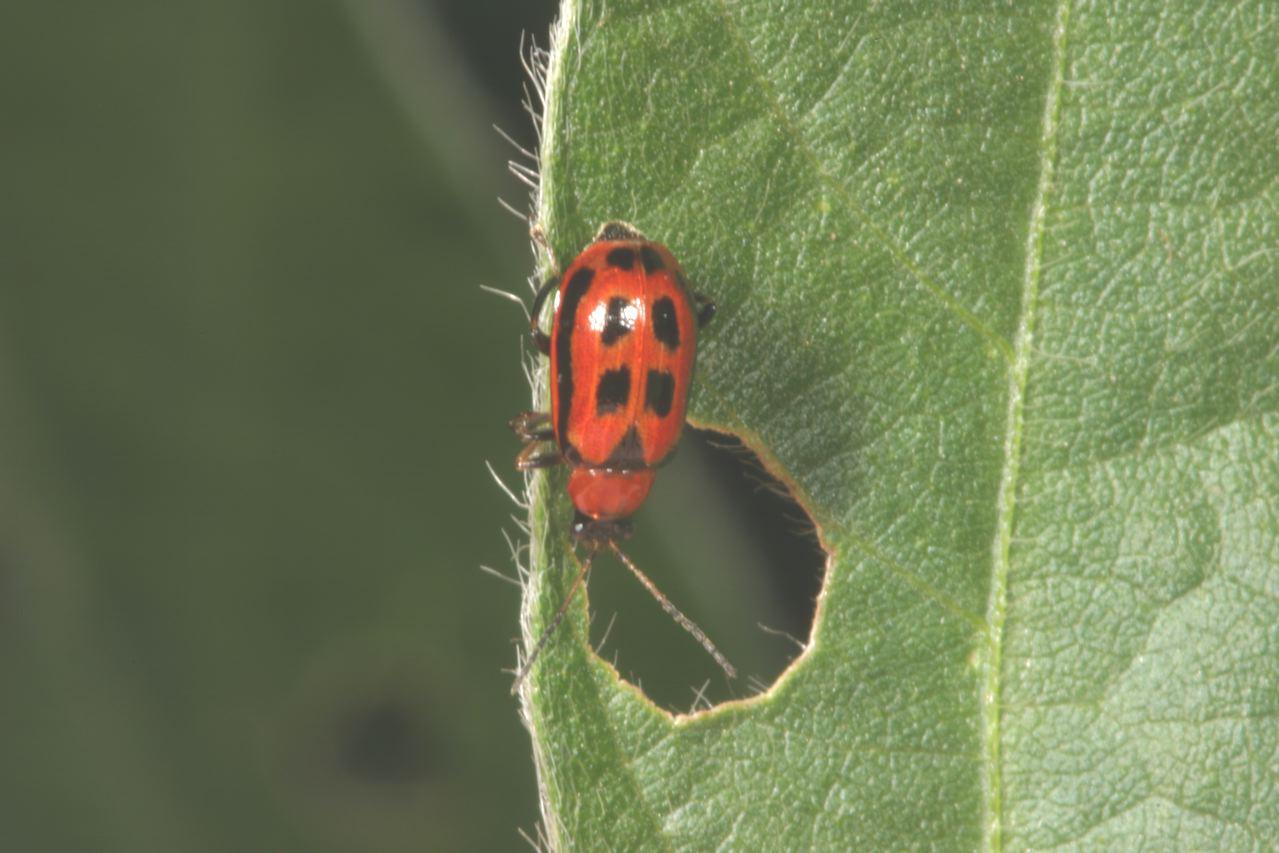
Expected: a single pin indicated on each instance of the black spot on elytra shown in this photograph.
(613, 390)
(650, 259)
(628, 455)
(621, 257)
(659, 392)
(618, 322)
(567, 317)
(665, 323)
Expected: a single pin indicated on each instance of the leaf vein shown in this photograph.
(1023, 349)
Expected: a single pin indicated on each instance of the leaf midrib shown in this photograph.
(991, 694)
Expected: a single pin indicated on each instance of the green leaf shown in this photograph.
(998, 294)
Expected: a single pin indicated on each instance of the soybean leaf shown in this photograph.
(998, 296)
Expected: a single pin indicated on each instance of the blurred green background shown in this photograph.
(248, 383)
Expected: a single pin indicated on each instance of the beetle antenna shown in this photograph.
(671, 610)
(555, 623)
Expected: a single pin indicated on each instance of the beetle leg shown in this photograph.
(537, 455)
(533, 426)
(538, 236)
(705, 310)
(541, 340)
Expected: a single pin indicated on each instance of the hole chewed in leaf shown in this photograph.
(730, 547)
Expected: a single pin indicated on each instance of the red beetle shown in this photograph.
(622, 346)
